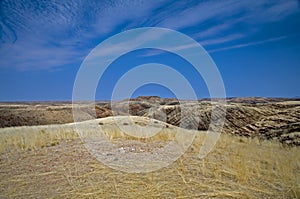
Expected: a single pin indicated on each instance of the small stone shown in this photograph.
(122, 150)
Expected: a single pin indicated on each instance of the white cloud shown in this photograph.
(47, 34)
(59, 32)
(113, 15)
(249, 44)
(37, 55)
(248, 14)
(221, 40)
(188, 17)
(250, 11)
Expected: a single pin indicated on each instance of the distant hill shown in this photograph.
(267, 118)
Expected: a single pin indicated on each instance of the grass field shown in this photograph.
(52, 161)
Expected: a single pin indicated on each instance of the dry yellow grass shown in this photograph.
(28, 138)
(59, 166)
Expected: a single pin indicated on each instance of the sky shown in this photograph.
(254, 44)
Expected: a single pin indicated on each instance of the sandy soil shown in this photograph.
(238, 167)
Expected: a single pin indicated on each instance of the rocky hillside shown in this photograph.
(267, 118)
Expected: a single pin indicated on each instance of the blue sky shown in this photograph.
(255, 44)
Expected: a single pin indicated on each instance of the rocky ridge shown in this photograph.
(266, 118)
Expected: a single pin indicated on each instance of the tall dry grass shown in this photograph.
(238, 167)
(34, 137)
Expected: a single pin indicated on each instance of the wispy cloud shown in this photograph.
(38, 55)
(250, 15)
(221, 40)
(249, 44)
(249, 11)
(41, 35)
(171, 49)
(47, 34)
(116, 14)
(199, 13)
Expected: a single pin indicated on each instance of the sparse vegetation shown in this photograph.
(29, 138)
(238, 167)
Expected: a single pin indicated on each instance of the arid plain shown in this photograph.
(257, 155)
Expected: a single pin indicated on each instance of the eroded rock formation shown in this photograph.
(273, 118)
